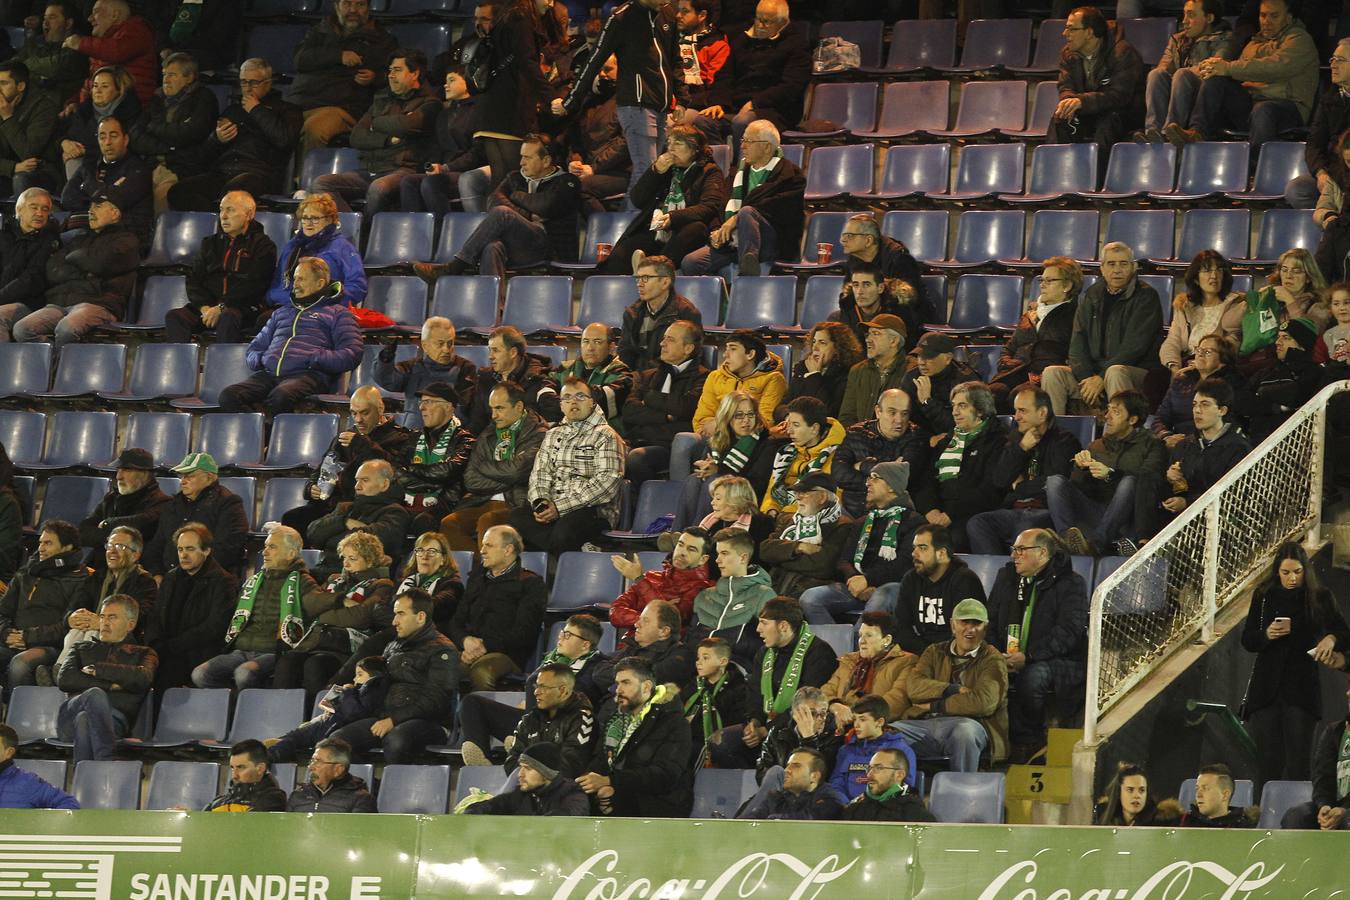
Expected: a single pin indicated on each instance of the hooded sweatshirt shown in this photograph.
(850, 766)
(766, 383)
(924, 609)
(734, 600)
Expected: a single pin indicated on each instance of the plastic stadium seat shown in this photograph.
(262, 713)
(162, 293)
(767, 301)
(719, 793)
(656, 498)
(455, 230)
(463, 562)
(604, 298)
(923, 231)
(25, 487)
(983, 236)
(1058, 232)
(821, 228)
(402, 298)
(279, 226)
(983, 303)
(1133, 170)
(474, 353)
(1082, 427)
(232, 439)
(793, 153)
(721, 154)
(601, 228)
(1241, 284)
(186, 716)
(1209, 168)
(1148, 36)
(72, 497)
(75, 439)
(706, 292)
(399, 238)
(470, 301)
(24, 369)
(867, 35)
(52, 771)
(993, 44)
(159, 372)
(910, 108)
(21, 435)
(485, 778)
(1280, 162)
(983, 358)
(609, 636)
(276, 44)
(986, 107)
(985, 170)
(554, 353)
(912, 170)
(222, 366)
(1148, 232)
(1147, 594)
(971, 797)
(1243, 792)
(432, 38)
(1283, 229)
(415, 789)
(349, 223)
(839, 637)
(1225, 230)
(918, 44)
(1043, 103)
(985, 567)
(281, 494)
(1163, 285)
(32, 712)
(583, 580)
(85, 369)
(321, 161)
(298, 440)
(537, 303)
(1278, 797)
(107, 784)
(1058, 170)
(821, 298)
(837, 172)
(246, 486)
(178, 237)
(284, 774)
(851, 106)
(1049, 43)
(187, 784)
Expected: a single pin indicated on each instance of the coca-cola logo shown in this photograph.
(745, 877)
(1168, 883)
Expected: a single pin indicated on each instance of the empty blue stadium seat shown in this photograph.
(837, 172)
(72, 497)
(984, 302)
(52, 771)
(994, 43)
(262, 713)
(984, 170)
(1280, 162)
(1148, 232)
(923, 231)
(281, 494)
(918, 44)
(1058, 170)
(656, 498)
(601, 228)
(85, 369)
(987, 107)
(536, 303)
(1278, 797)
(1133, 170)
(1284, 229)
(232, 439)
(719, 793)
(174, 783)
(246, 487)
(1058, 232)
(349, 224)
(583, 580)
(399, 239)
(1225, 230)
(279, 226)
(972, 797)
(186, 716)
(162, 293)
(985, 567)
(76, 438)
(1049, 43)
(298, 440)
(455, 230)
(706, 292)
(983, 236)
(839, 637)
(159, 372)
(866, 35)
(1148, 36)
(1043, 102)
(24, 369)
(1162, 284)
(821, 298)
(912, 170)
(910, 108)
(1085, 429)
(32, 712)
(21, 434)
(821, 228)
(223, 365)
(402, 298)
(1209, 168)
(852, 106)
(178, 237)
(766, 301)
(432, 38)
(276, 44)
(107, 784)
(604, 298)
(470, 301)
(415, 789)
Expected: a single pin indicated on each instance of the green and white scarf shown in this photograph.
(506, 441)
(949, 463)
(704, 700)
(622, 725)
(807, 529)
(562, 659)
(423, 456)
(890, 538)
(742, 185)
(781, 702)
(1343, 765)
(674, 198)
(782, 463)
(735, 457)
(290, 617)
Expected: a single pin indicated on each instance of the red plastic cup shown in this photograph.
(824, 252)
(602, 251)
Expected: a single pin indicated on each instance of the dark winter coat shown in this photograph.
(218, 509)
(705, 196)
(53, 69)
(653, 418)
(39, 597)
(821, 805)
(333, 247)
(388, 441)
(1059, 622)
(1234, 818)
(317, 333)
(515, 86)
(1330, 118)
(260, 796)
(771, 74)
(817, 667)
(1203, 464)
(876, 570)
(411, 375)
(1031, 348)
(1139, 453)
(1324, 783)
(553, 203)
(23, 261)
(139, 510)
(322, 79)
(444, 479)
(864, 446)
(409, 118)
(1173, 415)
(794, 571)
(651, 775)
(597, 138)
(560, 797)
(485, 476)
(31, 133)
(671, 661)
(1283, 673)
(1052, 455)
(265, 136)
(646, 42)
(233, 270)
(610, 380)
(97, 267)
(125, 671)
(423, 677)
(137, 583)
(923, 611)
(347, 794)
(974, 489)
(455, 125)
(175, 133)
(1121, 330)
(936, 414)
(643, 352)
(780, 200)
(384, 516)
(1116, 87)
(132, 176)
(191, 616)
(81, 126)
(826, 385)
(532, 374)
(903, 807)
(571, 727)
(783, 738)
(504, 612)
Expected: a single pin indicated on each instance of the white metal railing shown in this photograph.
(1168, 594)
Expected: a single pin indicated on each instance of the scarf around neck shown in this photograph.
(290, 618)
(622, 725)
(778, 703)
(422, 455)
(704, 701)
(506, 441)
(735, 457)
(949, 462)
(808, 529)
(782, 463)
(890, 538)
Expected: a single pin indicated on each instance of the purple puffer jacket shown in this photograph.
(316, 333)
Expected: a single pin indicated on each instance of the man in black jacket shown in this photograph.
(930, 592)
(53, 68)
(508, 360)
(561, 716)
(806, 792)
(769, 69)
(200, 498)
(377, 507)
(423, 676)
(432, 467)
(1213, 793)
(134, 500)
(656, 641)
(808, 724)
(175, 125)
(1101, 84)
(664, 398)
(496, 624)
(657, 308)
(641, 765)
(1036, 449)
(1330, 789)
(29, 147)
(252, 788)
(332, 788)
(1038, 617)
(1330, 117)
(599, 149)
(544, 789)
(1207, 455)
(960, 483)
(33, 609)
(229, 278)
(114, 168)
(248, 148)
(931, 382)
(436, 360)
(27, 239)
(890, 436)
(887, 797)
(764, 214)
(866, 247)
(192, 611)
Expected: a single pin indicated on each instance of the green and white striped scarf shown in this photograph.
(949, 463)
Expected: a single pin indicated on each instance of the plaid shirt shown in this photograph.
(580, 465)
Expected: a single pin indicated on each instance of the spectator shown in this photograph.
(1095, 505)
(813, 438)
(499, 467)
(11, 521)
(887, 798)
(1039, 618)
(683, 575)
(56, 70)
(717, 699)
(135, 500)
(509, 361)
(1035, 450)
(303, 349)
(1206, 456)
(331, 787)
(173, 130)
(319, 235)
(227, 286)
(769, 70)
(27, 240)
(1129, 802)
(203, 499)
(806, 793)
(1101, 77)
(763, 216)
(438, 188)
(394, 138)
(574, 486)
(1293, 624)
(641, 340)
(21, 789)
(431, 567)
(109, 678)
(1268, 89)
(740, 593)
(363, 698)
(192, 609)
(112, 172)
(1043, 333)
(1214, 791)
(118, 38)
(1331, 348)
(1330, 119)
(641, 765)
(599, 150)
(869, 734)
(122, 576)
(680, 200)
(436, 360)
(244, 151)
(890, 435)
(655, 639)
(1208, 306)
(1333, 247)
(29, 147)
(1293, 291)
(831, 353)
(269, 616)
(111, 93)
(932, 382)
(496, 625)
(879, 667)
(196, 28)
(810, 725)
(252, 788)
(958, 694)
(1216, 356)
(747, 365)
(1115, 336)
(644, 37)
(877, 269)
(804, 548)
(733, 504)
(33, 608)
(704, 57)
(431, 472)
(543, 789)
(609, 377)
(561, 715)
(741, 446)
(376, 507)
(962, 482)
(532, 218)
(337, 64)
(929, 594)
(1331, 795)
(504, 71)
(1171, 85)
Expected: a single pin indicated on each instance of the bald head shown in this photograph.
(237, 210)
(596, 347)
(367, 409)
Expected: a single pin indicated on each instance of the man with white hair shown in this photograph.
(436, 361)
(1330, 118)
(227, 286)
(118, 39)
(27, 239)
(769, 70)
(763, 217)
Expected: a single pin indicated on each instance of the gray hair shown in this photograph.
(129, 606)
(23, 198)
(257, 64)
(315, 264)
(978, 395)
(435, 322)
(185, 61)
(245, 200)
(133, 536)
(767, 130)
(380, 467)
(1118, 247)
(289, 536)
(808, 696)
(340, 750)
(512, 538)
(867, 224)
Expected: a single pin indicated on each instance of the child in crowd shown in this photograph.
(362, 699)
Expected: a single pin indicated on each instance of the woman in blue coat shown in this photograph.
(319, 236)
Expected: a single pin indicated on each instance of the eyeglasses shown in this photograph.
(844, 234)
(745, 416)
(570, 634)
(1068, 29)
(643, 279)
(574, 398)
(253, 82)
(877, 768)
(312, 220)
(1340, 59)
(428, 551)
(121, 548)
(1206, 351)
(1018, 550)
(323, 762)
(1053, 280)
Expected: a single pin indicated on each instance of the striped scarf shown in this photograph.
(890, 538)
(735, 457)
(742, 185)
(949, 463)
(807, 529)
(779, 489)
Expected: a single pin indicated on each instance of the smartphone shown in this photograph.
(1284, 619)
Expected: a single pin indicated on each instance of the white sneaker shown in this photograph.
(472, 755)
(639, 260)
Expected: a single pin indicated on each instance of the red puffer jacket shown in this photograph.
(680, 586)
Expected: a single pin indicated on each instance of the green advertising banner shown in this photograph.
(99, 855)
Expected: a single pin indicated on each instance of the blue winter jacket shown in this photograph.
(20, 789)
(329, 245)
(317, 333)
(850, 766)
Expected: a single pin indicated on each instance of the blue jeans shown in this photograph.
(238, 669)
(91, 723)
(992, 533)
(645, 131)
(1170, 97)
(1028, 696)
(505, 237)
(1224, 103)
(381, 191)
(1101, 523)
(1302, 192)
(754, 234)
(18, 666)
(828, 603)
(960, 738)
(758, 804)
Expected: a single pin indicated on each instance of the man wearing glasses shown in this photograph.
(135, 500)
(887, 797)
(769, 70)
(657, 308)
(1101, 81)
(432, 478)
(872, 257)
(332, 788)
(1038, 617)
(1329, 119)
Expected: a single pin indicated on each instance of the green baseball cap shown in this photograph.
(197, 462)
(970, 609)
